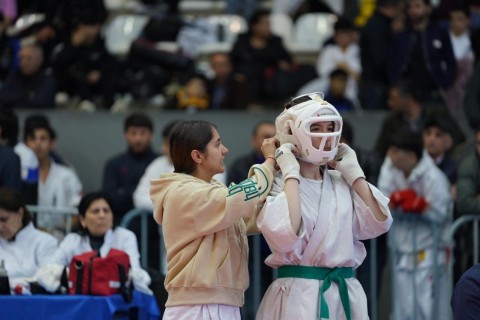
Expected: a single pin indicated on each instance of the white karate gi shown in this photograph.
(30, 250)
(334, 220)
(62, 188)
(414, 240)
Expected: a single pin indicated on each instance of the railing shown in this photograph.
(416, 221)
(66, 211)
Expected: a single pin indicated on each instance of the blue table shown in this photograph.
(76, 307)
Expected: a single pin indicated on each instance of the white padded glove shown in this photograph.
(49, 276)
(348, 164)
(287, 162)
(141, 280)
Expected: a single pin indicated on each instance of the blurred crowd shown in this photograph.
(414, 58)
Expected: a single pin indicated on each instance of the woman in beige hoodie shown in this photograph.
(203, 223)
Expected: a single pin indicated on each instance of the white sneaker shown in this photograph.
(87, 106)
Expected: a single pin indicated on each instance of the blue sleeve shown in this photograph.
(465, 300)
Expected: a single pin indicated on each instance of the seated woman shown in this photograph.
(97, 232)
(23, 248)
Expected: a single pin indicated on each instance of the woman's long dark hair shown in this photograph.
(12, 201)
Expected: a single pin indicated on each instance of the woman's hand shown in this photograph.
(269, 146)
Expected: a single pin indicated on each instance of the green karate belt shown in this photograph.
(328, 275)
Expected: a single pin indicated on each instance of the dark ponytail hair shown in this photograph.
(185, 137)
(12, 201)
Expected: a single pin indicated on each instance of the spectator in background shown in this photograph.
(373, 86)
(342, 53)
(468, 197)
(192, 96)
(462, 49)
(84, 68)
(226, 90)
(423, 55)
(240, 166)
(336, 93)
(471, 101)
(10, 172)
(58, 185)
(31, 86)
(123, 172)
(97, 232)
(417, 186)
(406, 112)
(23, 248)
(257, 53)
(438, 142)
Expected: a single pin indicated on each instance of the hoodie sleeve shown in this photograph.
(211, 208)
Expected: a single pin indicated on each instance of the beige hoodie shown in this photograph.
(205, 235)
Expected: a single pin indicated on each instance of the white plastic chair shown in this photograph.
(122, 31)
(232, 25)
(229, 28)
(311, 30)
(281, 25)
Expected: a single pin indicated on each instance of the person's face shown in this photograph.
(435, 141)
(338, 86)
(98, 218)
(41, 143)
(10, 223)
(138, 139)
(321, 127)
(221, 66)
(196, 87)
(262, 27)
(459, 22)
(264, 131)
(343, 38)
(395, 101)
(90, 32)
(30, 60)
(401, 159)
(215, 155)
(418, 11)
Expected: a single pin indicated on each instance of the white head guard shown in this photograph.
(293, 126)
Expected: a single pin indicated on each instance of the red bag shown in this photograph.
(91, 274)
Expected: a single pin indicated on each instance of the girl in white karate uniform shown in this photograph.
(320, 208)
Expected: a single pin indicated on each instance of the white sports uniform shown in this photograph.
(414, 240)
(27, 252)
(334, 220)
(62, 188)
